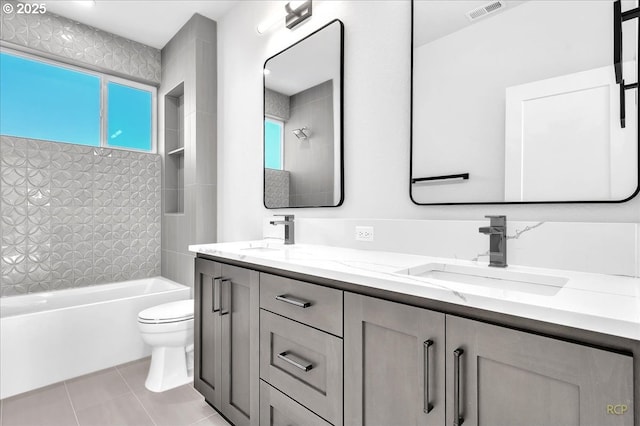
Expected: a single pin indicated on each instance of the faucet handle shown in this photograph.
(497, 220)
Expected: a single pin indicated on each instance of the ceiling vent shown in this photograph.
(485, 10)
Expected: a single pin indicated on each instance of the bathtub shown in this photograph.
(49, 337)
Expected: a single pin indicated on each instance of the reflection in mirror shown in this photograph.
(518, 101)
(303, 122)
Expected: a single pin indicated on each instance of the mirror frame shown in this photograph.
(637, 190)
(341, 126)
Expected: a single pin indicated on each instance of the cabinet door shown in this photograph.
(239, 314)
(393, 364)
(207, 330)
(508, 377)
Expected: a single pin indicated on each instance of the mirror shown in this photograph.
(303, 164)
(520, 101)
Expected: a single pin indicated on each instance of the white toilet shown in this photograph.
(168, 329)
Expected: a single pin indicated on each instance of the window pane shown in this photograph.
(129, 117)
(272, 144)
(43, 101)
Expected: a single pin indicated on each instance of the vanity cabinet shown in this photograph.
(499, 376)
(397, 361)
(394, 360)
(301, 353)
(225, 335)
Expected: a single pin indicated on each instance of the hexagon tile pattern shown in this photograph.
(72, 40)
(73, 216)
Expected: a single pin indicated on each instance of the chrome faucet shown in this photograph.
(497, 232)
(289, 235)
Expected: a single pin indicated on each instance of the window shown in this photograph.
(273, 146)
(129, 117)
(43, 100)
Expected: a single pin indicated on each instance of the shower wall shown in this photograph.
(70, 215)
(74, 216)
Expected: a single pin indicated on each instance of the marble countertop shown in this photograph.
(602, 303)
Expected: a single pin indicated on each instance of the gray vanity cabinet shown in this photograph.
(501, 376)
(226, 327)
(394, 362)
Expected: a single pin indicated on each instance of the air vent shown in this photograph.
(485, 10)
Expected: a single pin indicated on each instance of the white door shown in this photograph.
(564, 141)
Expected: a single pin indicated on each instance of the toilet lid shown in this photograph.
(181, 310)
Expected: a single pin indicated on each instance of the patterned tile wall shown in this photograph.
(276, 188)
(74, 216)
(63, 37)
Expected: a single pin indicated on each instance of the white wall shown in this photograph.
(376, 130)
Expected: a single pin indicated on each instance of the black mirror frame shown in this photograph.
(411, 179)
(341, 117)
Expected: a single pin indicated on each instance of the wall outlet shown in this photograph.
(364, 233)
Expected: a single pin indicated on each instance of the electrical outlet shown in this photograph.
(364, 233)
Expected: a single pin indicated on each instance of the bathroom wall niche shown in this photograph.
(174, 150)
(302, 144)
(520, 102)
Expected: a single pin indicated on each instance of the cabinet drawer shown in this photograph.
(304, 363)
(277, 409)
(314, 305)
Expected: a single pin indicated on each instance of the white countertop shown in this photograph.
(602, 303)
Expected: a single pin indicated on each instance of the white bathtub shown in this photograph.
(49, 337)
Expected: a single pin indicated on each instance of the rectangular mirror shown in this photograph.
(520, 101)
(303, 165)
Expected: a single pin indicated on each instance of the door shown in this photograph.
(498, 376)
(570, 124)
(239, 312)
(207, 360)
(393, 363)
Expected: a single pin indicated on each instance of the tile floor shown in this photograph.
(111, 397)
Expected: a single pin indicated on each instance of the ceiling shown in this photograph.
(312, 61)
(435, 19)
(153, 23)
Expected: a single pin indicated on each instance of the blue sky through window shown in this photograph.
(43, 101)
(129, 117)
(273, 144)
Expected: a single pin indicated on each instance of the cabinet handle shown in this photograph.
(426, 404)
(215, 294)
(458, 419)
(296, 361)
(227, 298)
(293, 301)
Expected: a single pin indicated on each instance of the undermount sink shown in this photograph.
(504, 279)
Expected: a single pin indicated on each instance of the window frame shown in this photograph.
(281, 123)
(105, 79)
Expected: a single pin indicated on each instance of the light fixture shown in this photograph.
(296, 14)
(86, 3)
(301, 133)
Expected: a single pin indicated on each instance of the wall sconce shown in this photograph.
(296, 13)
(302, 133)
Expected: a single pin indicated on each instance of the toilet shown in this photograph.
(168, 329)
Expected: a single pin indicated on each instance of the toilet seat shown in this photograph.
(172, 312)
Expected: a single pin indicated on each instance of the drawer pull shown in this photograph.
(426, 403)
(293, 301)
(295, 361)
(458, 419)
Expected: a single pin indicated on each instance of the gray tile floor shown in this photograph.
(111, 397)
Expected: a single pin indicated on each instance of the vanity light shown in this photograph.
(296, 13)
